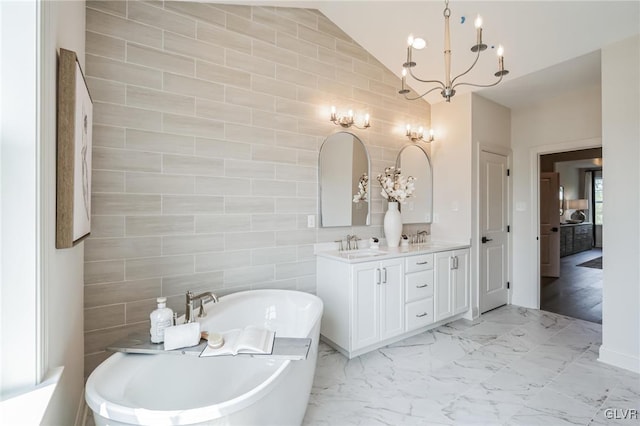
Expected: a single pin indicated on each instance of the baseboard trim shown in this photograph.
(618, 359)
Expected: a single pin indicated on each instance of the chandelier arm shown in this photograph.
(469, 69)
(425, 81)
(421, 96)
(479, 85)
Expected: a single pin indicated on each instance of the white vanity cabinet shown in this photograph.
(378, 297)
(363, 302)
(451, 283)
(372, 299)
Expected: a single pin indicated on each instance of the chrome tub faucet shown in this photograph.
(203, 298)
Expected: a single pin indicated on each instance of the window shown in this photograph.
(597, 197)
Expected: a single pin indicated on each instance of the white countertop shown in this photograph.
(382, 253)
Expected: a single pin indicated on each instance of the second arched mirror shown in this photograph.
(414, 161)
(343, 176)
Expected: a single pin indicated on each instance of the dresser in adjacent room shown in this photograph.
(575, 237)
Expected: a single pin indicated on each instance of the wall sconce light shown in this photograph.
(347, 121)
(418, 135)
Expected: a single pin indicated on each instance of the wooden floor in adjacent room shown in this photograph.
(577, 293)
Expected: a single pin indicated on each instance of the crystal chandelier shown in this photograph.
(448, 87)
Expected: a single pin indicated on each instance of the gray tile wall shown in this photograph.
(208, 121)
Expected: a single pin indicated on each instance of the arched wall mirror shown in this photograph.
(342, 165)
(414, 161)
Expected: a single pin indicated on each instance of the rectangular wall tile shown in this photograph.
(205, 281)
(107, 181)
(295, 269)
(249, 240)
(263, 188)
(158, 267)
(156, 17)
(183, 125)
(111, 69)
(125, 204)
(155, 58)
(250, 63)
(200, 11)
(104, 317)
(262, 222)
(222, 149)
(240, 133)
(120, 292)
(157, 183)
(184, 85)
(273, 87)
(121, 248)
(250, 169)
(103, 272)
(222, 186)
(143, 140)
(274, 53)
(298, 173)
(95, 341)
(269, 256)
(250, 28)
(122, 159)
(185, 244)
(107, 226)
(233, 205)
(102, 45)
(222, 75)
(110, 25)
(114, 7)
(220, 36)
(122, 116)
(223, 112)
(190, 165)
(194, 48)
(222, 223)
(248, 275)
(106, 90)
(108, 136)
(159, 225)
(191, 204)
(155, 100)
(236, 96)
(221, 261)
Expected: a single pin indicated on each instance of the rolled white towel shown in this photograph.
(181, 336)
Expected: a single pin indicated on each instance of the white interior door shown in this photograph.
(549, 225)
(494, 247)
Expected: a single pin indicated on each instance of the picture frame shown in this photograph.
(74, 148)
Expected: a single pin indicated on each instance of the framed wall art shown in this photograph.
(73, 172)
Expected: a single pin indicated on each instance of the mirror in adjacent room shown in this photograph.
(561, 196)
(344, 181)
(414, 161)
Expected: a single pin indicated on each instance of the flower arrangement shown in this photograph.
(395, 187)
(363, 189)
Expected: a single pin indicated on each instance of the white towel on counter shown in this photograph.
(181, 336)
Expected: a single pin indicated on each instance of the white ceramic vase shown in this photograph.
(392, 224)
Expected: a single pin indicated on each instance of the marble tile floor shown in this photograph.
(512, 366)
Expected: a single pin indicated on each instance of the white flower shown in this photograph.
(363, 189)
(395, 187)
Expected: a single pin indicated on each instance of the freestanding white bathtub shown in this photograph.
(187, 390)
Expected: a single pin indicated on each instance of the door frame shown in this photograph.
(474, 263)
(534, 168)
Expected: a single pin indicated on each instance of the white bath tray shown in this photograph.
(283, 348)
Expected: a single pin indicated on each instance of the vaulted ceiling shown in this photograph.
(550, 46)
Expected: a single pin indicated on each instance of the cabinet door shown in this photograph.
(443, 294)
(392, 298)
(461, 282)
(365, 319)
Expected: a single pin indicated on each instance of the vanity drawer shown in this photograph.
(420, 262)
(419, 313)
(418, 285)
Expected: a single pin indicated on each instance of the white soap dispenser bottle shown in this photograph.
(161, 318)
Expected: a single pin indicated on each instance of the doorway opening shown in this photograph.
(571, 199)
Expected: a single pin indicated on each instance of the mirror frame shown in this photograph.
(426, 154)
(368, 221)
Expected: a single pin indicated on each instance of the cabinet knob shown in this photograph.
(422, 263)
(422, 286)
(424, 314)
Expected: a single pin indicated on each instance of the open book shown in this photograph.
(249, 340)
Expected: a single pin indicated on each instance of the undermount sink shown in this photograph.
(356, 254)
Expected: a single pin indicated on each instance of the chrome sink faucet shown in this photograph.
(422, 236)
(203, 298)
(352, 239)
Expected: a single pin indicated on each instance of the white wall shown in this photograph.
(451, 159)
(63, 283)
(620, 141)
(569, 122)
